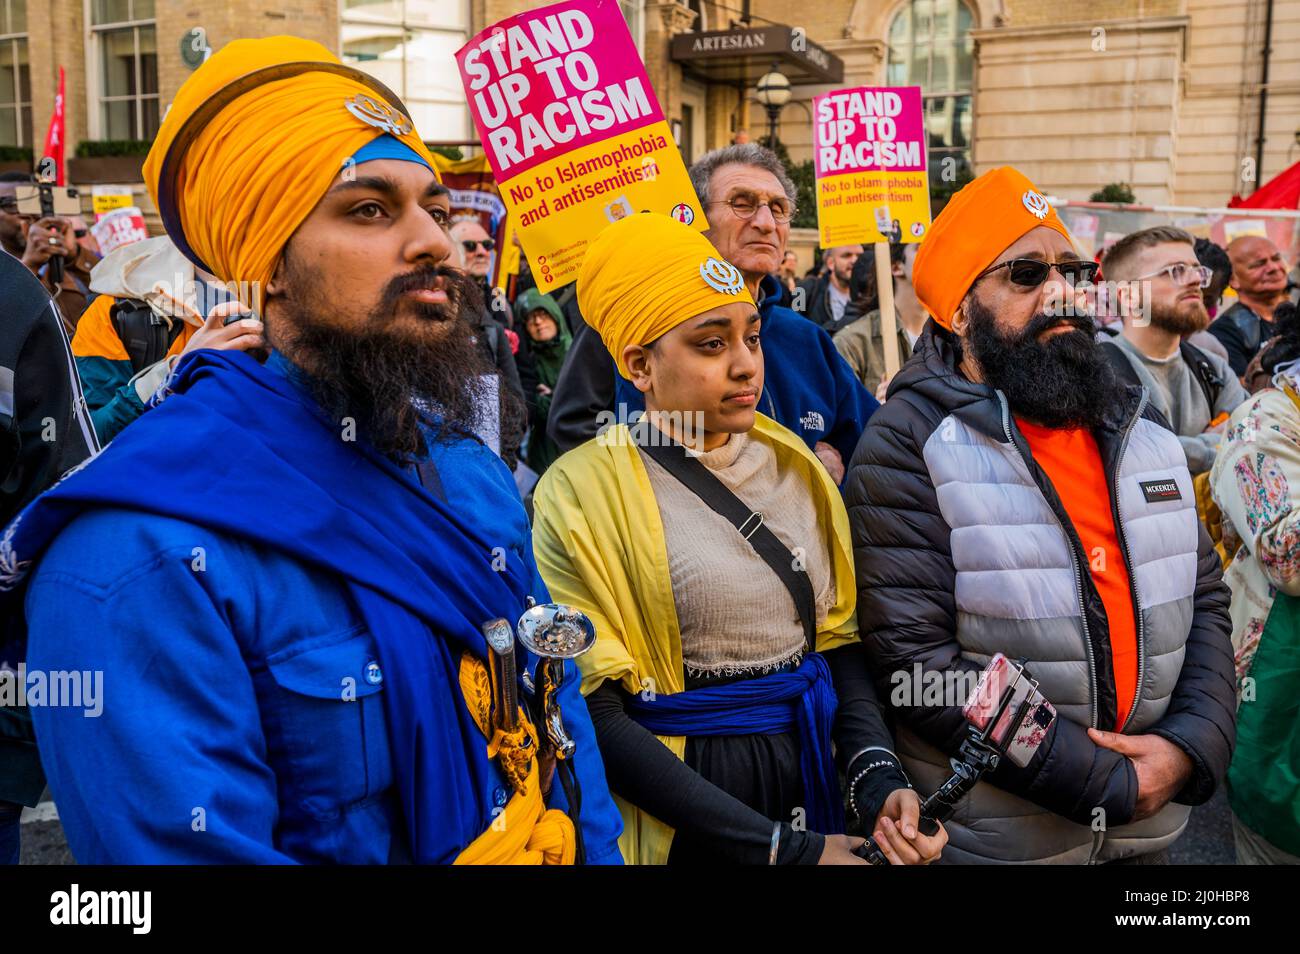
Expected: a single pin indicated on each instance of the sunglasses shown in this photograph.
(1031, 273)
(486, 244)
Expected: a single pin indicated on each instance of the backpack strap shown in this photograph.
(146, 337)
(1204, 373)
(719, 498)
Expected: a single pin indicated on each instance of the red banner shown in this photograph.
(57, 134)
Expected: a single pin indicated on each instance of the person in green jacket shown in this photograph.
(548, 342)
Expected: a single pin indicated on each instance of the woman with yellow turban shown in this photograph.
(711, 550)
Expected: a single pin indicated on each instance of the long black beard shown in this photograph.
(390, 381)
(1065, 381)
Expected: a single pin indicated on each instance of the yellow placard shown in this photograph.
(851, 208)
(561, 205)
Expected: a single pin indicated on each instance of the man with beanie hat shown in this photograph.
(1011, 496)
(287, 573)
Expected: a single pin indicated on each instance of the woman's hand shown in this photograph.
(839, 851)
(897, 833)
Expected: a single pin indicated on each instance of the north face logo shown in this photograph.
(1160, 491)
(812, 421)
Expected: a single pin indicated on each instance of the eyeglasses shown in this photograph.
(486, 244)
(747, 206)
(1030, 272)
(1183, 274)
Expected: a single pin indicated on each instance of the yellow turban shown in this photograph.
(252, 141)
(646, 274)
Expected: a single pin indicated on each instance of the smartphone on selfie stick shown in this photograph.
(1006, 716)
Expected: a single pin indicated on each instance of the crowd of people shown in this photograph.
(290, 528)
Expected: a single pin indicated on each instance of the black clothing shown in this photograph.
(1241, 332)
(724, 798)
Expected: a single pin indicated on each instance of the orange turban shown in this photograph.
(644, 275)
(979, 223)
(252, 141)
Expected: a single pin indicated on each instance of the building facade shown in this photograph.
(1188, 101)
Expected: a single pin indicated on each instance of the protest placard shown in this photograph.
(869, 157)
(119, 227)
(572, 129)
(106, 198)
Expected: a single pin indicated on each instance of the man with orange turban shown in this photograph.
(1012, 497)
(289, 573)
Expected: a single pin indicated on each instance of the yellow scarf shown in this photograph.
(599, 543)
(525, 832)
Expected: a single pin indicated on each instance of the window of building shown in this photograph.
(124, 41)
(930, 46)
(634, 14)
(15, 76)
(410, 46)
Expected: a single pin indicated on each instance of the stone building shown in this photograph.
(1189, 101)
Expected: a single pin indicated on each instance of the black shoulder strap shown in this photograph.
(1120, 364)
(697, 478)
(1201, 368)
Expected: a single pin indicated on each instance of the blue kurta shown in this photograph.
(243, 717)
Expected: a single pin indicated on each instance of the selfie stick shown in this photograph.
(975, 759)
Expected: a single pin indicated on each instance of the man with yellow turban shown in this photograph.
(710, 547)
(289, 573)
(1012, 497)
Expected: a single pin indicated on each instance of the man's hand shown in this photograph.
(46, 238)
(882, 387)
(839, 851)
(1162, 767)
(242, 335)
(543, 390)
(831, 460)
(897, 834)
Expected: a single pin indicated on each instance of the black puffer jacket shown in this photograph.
(991, 562)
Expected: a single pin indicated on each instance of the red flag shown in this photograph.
(57, 133)
(1281, 192)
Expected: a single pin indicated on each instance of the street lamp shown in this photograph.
(773, 92)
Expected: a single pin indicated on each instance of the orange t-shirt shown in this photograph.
(1073, 463)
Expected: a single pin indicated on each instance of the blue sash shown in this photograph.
(803, 700)
(240, 450)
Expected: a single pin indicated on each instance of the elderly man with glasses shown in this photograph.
(809, 388)
(1158, 281)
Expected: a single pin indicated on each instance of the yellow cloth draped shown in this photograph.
(526, 832)
(261, 164)
(599, 543)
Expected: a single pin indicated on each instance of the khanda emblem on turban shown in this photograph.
(722, 276)
(379, 114)
(1036, 204)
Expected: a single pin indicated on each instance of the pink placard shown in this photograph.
(869, 129)
(553, 80)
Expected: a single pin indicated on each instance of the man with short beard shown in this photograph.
(1158, 281)
(1011, 496)
(285, 572)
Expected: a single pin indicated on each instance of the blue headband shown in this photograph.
(388, 146)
